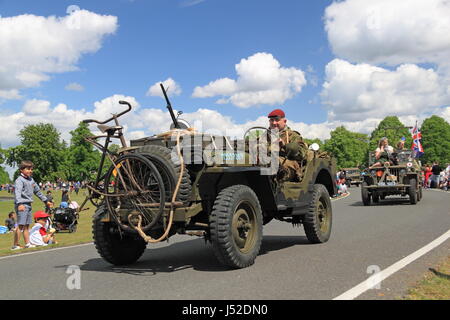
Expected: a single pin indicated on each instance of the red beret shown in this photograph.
(40, 214)
(276, 113)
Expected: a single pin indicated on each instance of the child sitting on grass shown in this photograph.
(38, 234)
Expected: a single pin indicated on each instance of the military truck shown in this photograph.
(401, 175)
(191, 183)
(352, 176)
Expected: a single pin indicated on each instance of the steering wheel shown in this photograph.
(248, 134)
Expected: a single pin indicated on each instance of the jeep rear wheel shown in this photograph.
(113, 248)
(318, 219)
(412, 191)
(236, 226)
(365, 194)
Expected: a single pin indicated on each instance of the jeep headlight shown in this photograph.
(373, 173)
(402, 171)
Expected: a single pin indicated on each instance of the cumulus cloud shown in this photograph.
(260, 80)
(172, 88)
(359, 91)
(56, 44)
(34, 107)
(74, 87)
(389, 32)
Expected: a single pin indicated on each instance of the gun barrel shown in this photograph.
(169, 106)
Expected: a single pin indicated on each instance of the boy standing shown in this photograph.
(24, 189)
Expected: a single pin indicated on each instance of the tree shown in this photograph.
(436, 140)
(82, 160)
(40, 144)
(393, 129)
(349, 148)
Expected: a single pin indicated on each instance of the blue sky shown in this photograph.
(349, 63)
(192, 44)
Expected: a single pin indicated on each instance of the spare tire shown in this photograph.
(169, 167)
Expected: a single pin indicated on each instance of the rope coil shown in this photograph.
(173, 202)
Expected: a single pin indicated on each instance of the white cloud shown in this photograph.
(356, 92)
(33, 47)
(10, 94)
(261, 80)
(172, 88)
(35, 107)
(74, 87)
(390, 32)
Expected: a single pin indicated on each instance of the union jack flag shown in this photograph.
(417, 144)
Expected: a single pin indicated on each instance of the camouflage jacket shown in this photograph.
(292, 144)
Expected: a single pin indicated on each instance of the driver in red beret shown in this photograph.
(292, 148)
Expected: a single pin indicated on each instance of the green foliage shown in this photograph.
(4, 176)
(39, 144)
(81, 160)
(436, 140)
(349, 148)
(392, 128)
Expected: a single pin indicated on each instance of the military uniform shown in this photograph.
(292, 150)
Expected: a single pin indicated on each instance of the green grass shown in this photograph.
(435, 284)
(64, 238)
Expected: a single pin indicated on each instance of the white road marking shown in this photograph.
(42, 251)
(379, 277)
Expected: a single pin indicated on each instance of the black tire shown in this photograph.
(375, 197)
(412, 191)
(73, 228)
(114, 249)
(318, 219)
(236, 226)
(169, 168)
(365, 194)
(382, 196)
(419, 194)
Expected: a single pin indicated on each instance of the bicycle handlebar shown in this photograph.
(114, 116)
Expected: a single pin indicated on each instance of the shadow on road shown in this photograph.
(386, 202)
(191, 254)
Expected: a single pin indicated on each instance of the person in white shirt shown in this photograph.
(38, 234)
(383, 152)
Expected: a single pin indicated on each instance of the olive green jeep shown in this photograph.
(401, 175)
(352, 176)
(209, 186)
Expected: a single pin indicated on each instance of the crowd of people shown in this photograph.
(435, 176)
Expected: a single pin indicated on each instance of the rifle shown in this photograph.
(169, 106)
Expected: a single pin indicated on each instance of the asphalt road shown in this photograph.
(288, 267)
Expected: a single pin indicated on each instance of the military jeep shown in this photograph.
(217, 189)
(352, 176)
(401, 175)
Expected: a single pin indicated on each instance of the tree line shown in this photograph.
(78, 160)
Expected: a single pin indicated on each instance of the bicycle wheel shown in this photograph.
(134, 186)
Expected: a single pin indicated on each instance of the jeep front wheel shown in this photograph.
(365, 194)
(412, 191)
(236, 226)
(318, 219)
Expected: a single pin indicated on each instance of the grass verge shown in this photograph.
(64, 238)
(435, 284)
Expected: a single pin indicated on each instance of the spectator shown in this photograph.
(38, 234)
(11, 222)
(49, 200)
(428, 173)
(25, 187)
(65, 196)
(436, 171)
